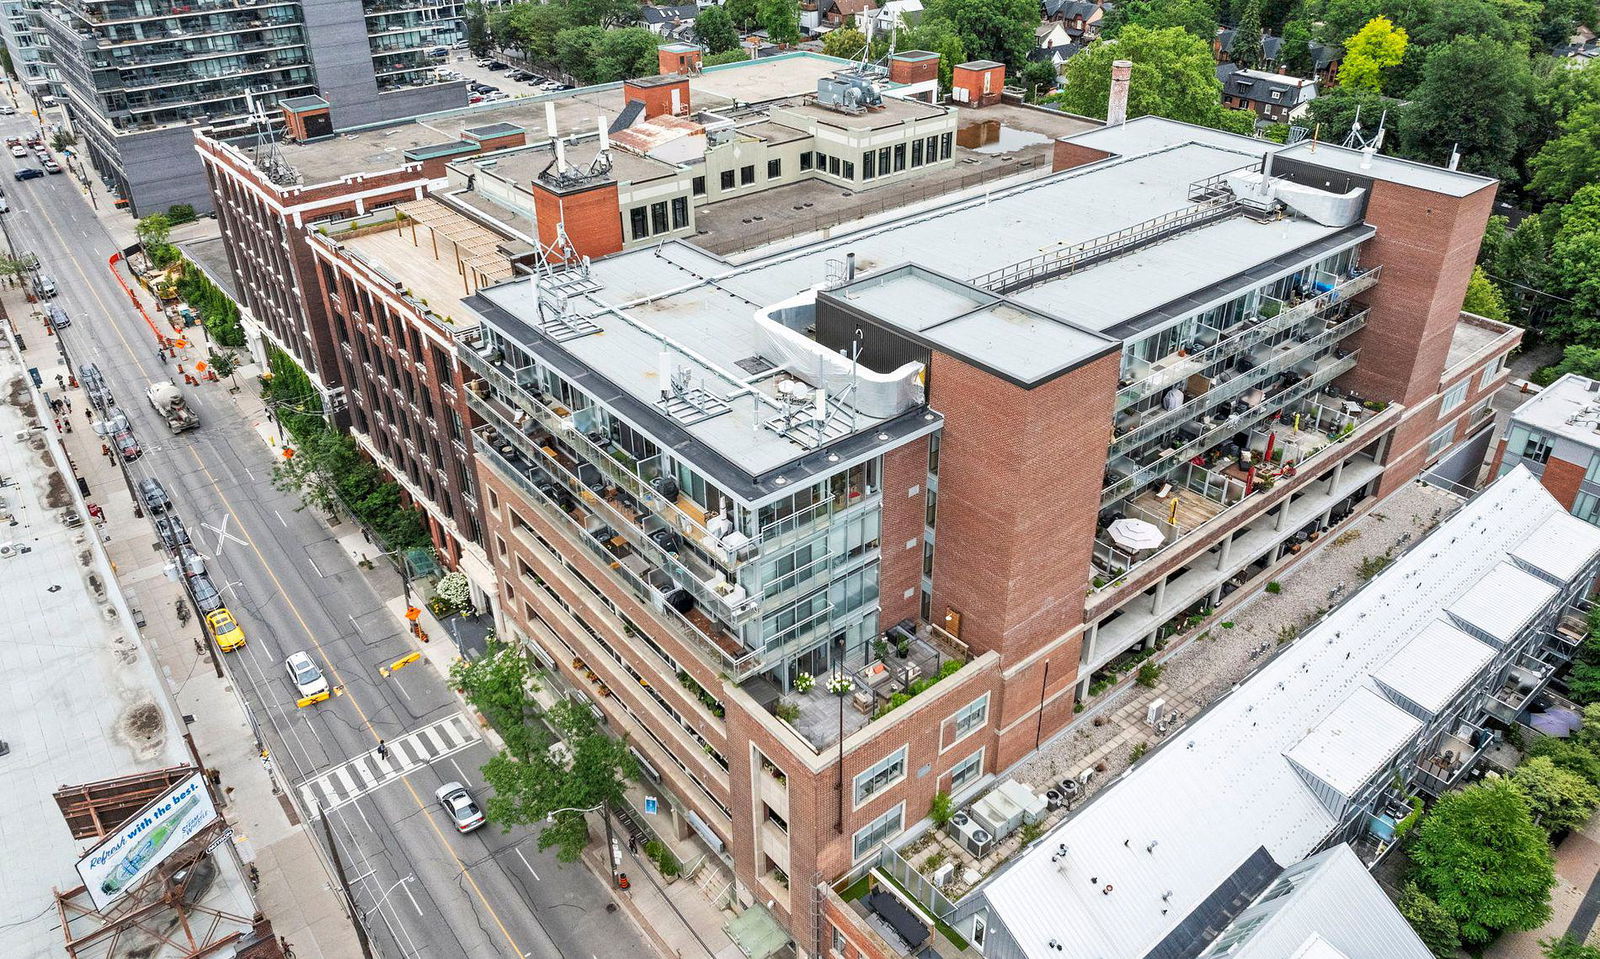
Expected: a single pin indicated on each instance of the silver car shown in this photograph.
(463, 809)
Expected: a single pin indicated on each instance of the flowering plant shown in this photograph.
(803, 682)
(841, 685)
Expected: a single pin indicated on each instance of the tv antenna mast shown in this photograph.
(264, 149)
(1356, 140)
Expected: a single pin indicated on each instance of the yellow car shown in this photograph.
(226, 629)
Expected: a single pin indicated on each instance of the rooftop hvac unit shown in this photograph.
(974, 838)
(1154, 712)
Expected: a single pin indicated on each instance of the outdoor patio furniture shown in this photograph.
(876, 673)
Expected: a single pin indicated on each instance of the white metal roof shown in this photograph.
(1336, 911)
(1435, 666)
(1221, 788)
(1509, 597)
(1354, 741)
(1560, 548)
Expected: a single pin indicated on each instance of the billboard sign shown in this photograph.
(126, 856)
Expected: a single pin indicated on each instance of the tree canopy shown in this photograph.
(1375, 48)
(1481, 857)
(1246, 49)
(781, 20)
(1484, 298)
(1294, 50)
(498, 684)
(1473, 95)
(714, 28)
(1199, 17)
(1558, 798)
(1435, 927)
(1174, 76)
(1000, 30)
(1571, 161)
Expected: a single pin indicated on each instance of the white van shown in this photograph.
(45, 286)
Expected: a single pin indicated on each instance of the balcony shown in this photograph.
(1523, 682)
(719, 648)
(1455, 755)
(1274, 317)
(729, 551)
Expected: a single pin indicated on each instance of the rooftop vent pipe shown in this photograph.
(1117, 106)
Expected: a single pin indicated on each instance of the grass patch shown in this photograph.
(857, 889)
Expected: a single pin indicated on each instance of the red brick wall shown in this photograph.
(971, 79)
(1426, 243)
(657, 99)
(1069, 155)
(505, 142)
(1561, 479)
(593, 218)
(668, 63)
(903, 70)
(904, 517)
(1019, 491)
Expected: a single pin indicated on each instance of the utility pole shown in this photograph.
(344, 885)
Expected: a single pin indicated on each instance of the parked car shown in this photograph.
(225, 628)
(51, 167)
(474, 98)
(19, 151)
(518, 75)
(45, 285)
(496, 65)
(307, 678)
(463, 810)
(55, 315)
(550, 85)
(7, 110)
(206, 596)
(154, 495)
(439, 52)
(126, 444)
(496, 95)
(171, 530)
(28, 173)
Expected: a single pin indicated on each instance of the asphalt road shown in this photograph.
(426, 891)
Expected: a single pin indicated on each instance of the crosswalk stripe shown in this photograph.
(359, 767)
(346, 785)
(448, 732)
(434, 738)
(362, 774)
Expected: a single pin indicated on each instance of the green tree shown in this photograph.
(1038, 78)
(1567, 947)
(714, 28)
(745, 14)
(1246, 48)
(310, 473)
(1524, 255)
(1333, 114)
(1174, 76)
(602, 13)
(575, 52)
(1575, 261)
(153, 232)
(846, 43)
(476, 21)
(1559, 19)
(1000, 30)
(625, 53)
(1474, 94)
(1484, 298)
(1199, 17)
(1572, 160)
(1294, 52)
(1558, 798)
(499, 684)
(781, 20)
(588, 772)
(1569, 754)
(1481, 857)
(1437, 930)
(1276, 13)
(1375, 48)
(222, 362)
(1448, 19)
(531, 28)
(1495, 232)
(1345, 18)
(736, 55)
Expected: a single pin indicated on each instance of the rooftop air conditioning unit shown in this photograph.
(974, 838)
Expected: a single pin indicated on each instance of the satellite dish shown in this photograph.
(785, 387)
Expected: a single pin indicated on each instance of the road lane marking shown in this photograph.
(525, 862)
(294, 610)
(355, 778)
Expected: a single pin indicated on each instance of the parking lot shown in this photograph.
(466, 65)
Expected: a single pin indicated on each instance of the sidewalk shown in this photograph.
(1573, 901)
(295, 891)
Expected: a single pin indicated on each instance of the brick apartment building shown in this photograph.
(334, 238)
(904, 460)
(1556, 434)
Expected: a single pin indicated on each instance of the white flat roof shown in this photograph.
(1561, 547)
(1569, 407)
(1221, 788)
(1354, 741)
(1435, 666)
(1510, 597)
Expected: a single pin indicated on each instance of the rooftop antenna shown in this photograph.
(1455, 156)
(264, 151)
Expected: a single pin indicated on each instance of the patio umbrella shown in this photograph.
(1556, 722)
(1135, 534)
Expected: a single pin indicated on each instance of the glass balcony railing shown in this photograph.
(733, 603)
(738, 664)
(1175, 370)
(1327, 371)
(1164, 420)
(730, 557)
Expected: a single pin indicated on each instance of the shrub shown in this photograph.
(941, 808)
(1149, 674)
(1437, 930)
(1274, 587)
(1139, 749)
(786, 711)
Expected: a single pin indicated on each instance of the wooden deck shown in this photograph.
(1193, 509)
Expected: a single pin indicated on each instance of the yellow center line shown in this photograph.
(304, 626)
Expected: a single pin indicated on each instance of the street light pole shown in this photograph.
(605, 814)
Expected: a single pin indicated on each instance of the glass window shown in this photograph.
(882, 829)
(969, 717)
(946, 144)
(1454, 396)
(1587, 508)
(805, 160)
(1441, 439)
(933, 455)
(680, 212)
(1592, 474)
(966, 772)
(833, 166)
(881, 775)
(933, 506)
(932, 151)
(774, 169)
(1529, 445)
(698, 186)
(658, 217)
(747, 175)
(1492, 370)
(727, 179)
(883, 162)
(847, 170)
(639, 221)
(916, 153)
(869, 165)
(899, 157)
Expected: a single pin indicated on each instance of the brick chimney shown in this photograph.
(678, 58)
(913, 66)
(306, 118)
(1117, 105)
(978, 83)
(659, 95)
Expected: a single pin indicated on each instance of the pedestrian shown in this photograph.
(161, 355)
(285, 948)
(61, 384)
(633, 845)
(105, 451)
(69, 426)
(68, 401)
(88, 414)
(383, 751)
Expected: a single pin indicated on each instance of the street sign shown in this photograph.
(652, 805)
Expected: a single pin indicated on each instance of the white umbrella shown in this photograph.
(1135, 534)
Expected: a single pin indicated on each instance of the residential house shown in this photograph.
(892, 15)
(1275, 97)
(667, 21)
(1080, 18)
(1325, 57)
